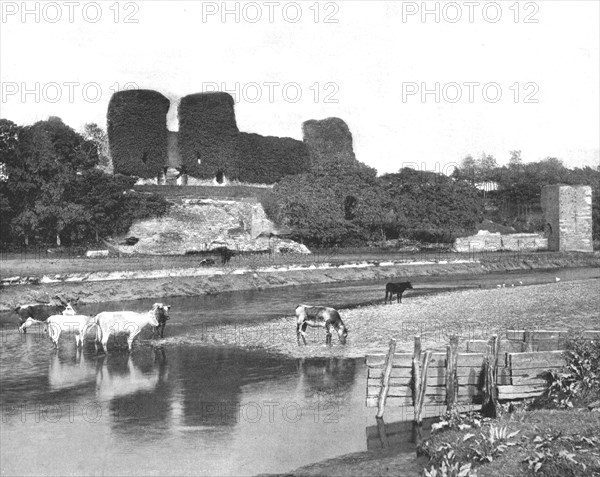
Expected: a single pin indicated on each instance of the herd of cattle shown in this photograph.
(59, 318)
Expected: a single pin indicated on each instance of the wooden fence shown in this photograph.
(489, 371)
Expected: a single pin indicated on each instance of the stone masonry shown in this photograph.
(568, 217)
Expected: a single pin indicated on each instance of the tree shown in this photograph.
(515, 158)
(487, 166)
(431, 206)
(52, 190)
(303, 204)
(93, 132)
(55, 154)
(332, 205)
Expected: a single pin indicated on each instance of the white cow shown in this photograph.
(78, 324)
(129, 322)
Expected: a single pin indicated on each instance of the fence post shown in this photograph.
(381, 432)
(385, 385)
(416, 370)
(490, 391)
(528, 339)
(451, 376)
(422, 387)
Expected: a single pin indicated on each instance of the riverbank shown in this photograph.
(99, 287)
(470, 314)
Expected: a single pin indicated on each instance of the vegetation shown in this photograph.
(56, 188)
(269, 159)
(137, 132)
(208, 134)
(534, 438)
(94, 133)
(579, 385)
(331, 206)
(432, 207)
(52, 190)
(211, 144)
(351, 205)
(339, 203)
(516, 201)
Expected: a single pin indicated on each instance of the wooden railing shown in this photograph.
(490, 371)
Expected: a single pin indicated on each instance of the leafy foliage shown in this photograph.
(580, 382)
(431, 207)
(559, 455)
(453, 456)
(208, 134)
(137, 132)
(516, 202)
(53, 190)
(94, 133)
(210, 143)
(331, 206)
(268, 159)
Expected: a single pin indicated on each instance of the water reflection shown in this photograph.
(330, 376)
(399, 434)
(64, 374)
(118, 376)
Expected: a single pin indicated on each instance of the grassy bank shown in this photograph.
(95, 281)
(36, 264)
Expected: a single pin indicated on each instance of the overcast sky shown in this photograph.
(497, 76)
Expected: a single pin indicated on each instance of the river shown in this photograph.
(181, 409)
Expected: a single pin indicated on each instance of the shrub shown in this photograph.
(580, 383)
(137, 132)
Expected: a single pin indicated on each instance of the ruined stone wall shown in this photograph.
(485, 241)
(568, 217)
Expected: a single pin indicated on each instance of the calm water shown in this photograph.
(194, 410)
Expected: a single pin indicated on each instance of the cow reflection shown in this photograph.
(333, 376)
(77, 371)
(120, 376)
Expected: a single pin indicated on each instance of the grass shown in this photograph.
(36, 262)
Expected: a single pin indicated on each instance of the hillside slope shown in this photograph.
(206, 224)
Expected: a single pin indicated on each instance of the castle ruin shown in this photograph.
(568, 217)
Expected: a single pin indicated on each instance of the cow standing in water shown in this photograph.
(398, 289)
(323, 316)
(39, 313)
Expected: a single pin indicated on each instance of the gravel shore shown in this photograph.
(472, 314)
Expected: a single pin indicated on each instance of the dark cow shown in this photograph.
(37, 312)
(398, 289)
(162, 315)
(328, 318)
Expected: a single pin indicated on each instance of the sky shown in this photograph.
(420, 84)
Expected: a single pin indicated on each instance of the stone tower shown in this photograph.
(568, 217)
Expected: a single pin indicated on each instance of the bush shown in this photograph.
(137, 132)
(580, 383)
